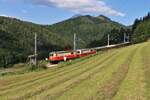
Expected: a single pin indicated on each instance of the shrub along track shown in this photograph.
(120, 74)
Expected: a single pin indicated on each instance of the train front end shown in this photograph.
(53, 58)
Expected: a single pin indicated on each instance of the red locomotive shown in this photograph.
(55, 57)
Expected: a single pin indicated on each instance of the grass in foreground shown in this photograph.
(118, 74)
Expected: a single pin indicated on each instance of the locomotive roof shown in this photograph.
(69, 51)
(62, 51)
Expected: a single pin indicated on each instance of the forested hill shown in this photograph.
(17, 40)
(141, 29)
(17, 37)
(87, 28)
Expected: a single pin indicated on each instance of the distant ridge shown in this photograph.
(88, 28)
(102, 17)
(76, 16)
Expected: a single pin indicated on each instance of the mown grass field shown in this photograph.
(117, 74)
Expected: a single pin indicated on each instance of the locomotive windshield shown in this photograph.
(50, 54)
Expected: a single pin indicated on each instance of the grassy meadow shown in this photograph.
(116, 74)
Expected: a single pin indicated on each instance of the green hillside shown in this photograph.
(117, 74)
(87, 28)
(17, 41)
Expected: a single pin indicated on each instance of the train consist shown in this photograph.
(56, 57)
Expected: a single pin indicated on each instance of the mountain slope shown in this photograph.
(87, 28)
(17, 40)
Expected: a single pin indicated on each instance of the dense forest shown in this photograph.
(17, 41)
(116, 36)
(141, 29)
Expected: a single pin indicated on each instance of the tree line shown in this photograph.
(141, 29)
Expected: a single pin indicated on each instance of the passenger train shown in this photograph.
(56, 57)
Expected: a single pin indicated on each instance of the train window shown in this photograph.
(50, 54)
(71, 52)
(55, 54)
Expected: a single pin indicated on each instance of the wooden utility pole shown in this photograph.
(74, 43)
(108, 40)
(124, 37)
(128, 38)
(33, 58)
(35, 50)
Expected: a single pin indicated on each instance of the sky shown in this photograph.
(53, 11)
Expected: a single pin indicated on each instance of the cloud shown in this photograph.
(80, 6)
